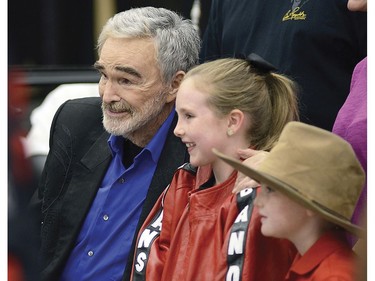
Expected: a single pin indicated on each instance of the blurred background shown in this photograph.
(51, 42)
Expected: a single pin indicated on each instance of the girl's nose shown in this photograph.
(178, 131)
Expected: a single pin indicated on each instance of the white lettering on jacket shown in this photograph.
(148, 235)
(139, 266)
(242, 216)
(236, 243)
(237, 238)
(233, 273)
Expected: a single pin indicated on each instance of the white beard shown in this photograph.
(135, 119)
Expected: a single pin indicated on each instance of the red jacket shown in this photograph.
(330, 259)
(197, 233)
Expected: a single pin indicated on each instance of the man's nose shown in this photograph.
(109, 92)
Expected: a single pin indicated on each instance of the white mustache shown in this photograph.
(120, 106)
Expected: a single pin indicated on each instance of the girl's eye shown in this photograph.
(188, 116)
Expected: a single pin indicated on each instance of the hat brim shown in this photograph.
(291, 193)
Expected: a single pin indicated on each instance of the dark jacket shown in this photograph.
(317, 45)
(76, 164)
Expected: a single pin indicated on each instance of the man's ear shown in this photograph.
(176, 82)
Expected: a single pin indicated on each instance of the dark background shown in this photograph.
(52, 42)
(61, 32)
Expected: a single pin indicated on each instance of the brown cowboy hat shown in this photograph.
(315, 168)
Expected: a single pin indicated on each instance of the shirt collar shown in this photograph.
(326, 244)
(155, 146)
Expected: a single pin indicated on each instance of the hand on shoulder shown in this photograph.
(252, 158)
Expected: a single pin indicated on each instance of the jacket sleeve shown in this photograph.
(35, 204)
(148, 254)
(246, 254)
(156, 233)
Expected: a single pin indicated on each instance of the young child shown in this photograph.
(224, 104)
(310, 183)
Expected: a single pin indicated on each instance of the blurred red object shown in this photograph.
(15, 270)
(22, 234)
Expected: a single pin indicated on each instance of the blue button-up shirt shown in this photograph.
(103, 245)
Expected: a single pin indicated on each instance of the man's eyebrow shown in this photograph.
(128, 70)
(98, 66)
(125, 69)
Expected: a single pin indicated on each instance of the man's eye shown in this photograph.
(124, 81)
(103, 75)
(269, 189)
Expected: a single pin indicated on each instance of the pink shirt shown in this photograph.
(351, 125)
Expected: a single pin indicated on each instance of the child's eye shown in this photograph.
(188, 116)
(268, 189)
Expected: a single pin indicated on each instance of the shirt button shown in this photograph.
(90, 253)
(105, 217)
(122, 180)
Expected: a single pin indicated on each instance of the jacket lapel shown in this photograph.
(86, 178)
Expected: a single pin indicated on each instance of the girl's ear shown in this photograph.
(175, 85)
(235, 120)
